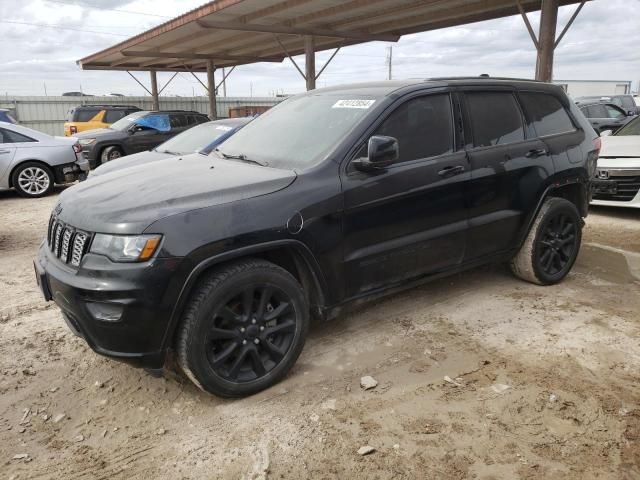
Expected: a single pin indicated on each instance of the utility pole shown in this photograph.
(45, 89)
(390, 62)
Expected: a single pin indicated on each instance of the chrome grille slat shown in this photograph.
(66, 243)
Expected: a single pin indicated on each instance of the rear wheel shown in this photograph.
(552, 245)
(110, 153)
(243, 328)
(32, 179)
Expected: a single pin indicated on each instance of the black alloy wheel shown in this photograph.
(251, 333)
(557, 245)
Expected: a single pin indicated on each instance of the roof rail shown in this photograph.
(107, 105)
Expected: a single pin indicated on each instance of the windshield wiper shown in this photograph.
(240, 157)
(169, 152)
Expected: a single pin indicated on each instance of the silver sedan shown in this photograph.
(32, 162)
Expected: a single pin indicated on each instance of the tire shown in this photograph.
(552, 244)
(225, 350)
(32, 180)
(110, 153)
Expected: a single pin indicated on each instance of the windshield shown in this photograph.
(126, 122)
(194, 139)
(300, 131)
(631, 128)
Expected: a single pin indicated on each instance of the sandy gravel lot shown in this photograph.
(543, 383)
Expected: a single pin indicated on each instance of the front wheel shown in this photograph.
(552, 245)
(243, 328)
(110, 153)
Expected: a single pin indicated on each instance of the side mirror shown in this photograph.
(383, 152)
(606, 133)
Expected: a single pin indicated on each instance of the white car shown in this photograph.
(31, 162)
(617, 177)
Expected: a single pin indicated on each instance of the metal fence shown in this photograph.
(48, 114)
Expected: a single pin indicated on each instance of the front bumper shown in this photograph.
(137, 293)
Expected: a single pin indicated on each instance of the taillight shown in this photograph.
(597, 145)
(73, 129)
(77, 148)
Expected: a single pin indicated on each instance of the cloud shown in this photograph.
(602, 44)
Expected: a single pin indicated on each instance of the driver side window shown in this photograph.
(422, 126)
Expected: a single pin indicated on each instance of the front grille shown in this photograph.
(66, 242)
(627, 189)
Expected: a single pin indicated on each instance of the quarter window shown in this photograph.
(546, 114)
(8, 136)
(495, 118)
(422, 126)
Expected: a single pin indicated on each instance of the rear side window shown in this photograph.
(112, 116)
(546, 114)
(84, 114)
(422, 126)
(495, 118)
(7, 136)
(178, 121)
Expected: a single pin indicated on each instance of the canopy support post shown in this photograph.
(211, 88)
(310, 62)
(547, 40)
(155, 98)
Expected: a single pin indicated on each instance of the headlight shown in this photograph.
(125, 248)
(86, 141)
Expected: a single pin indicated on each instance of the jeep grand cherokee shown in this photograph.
(331, 197)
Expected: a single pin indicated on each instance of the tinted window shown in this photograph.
(202, 119)
(596, 111)
(112, 116)
(13, 137)
(613, 112)
(495, 118)
(85, 114)
(423, 127)
(546, 114)
(178, 121)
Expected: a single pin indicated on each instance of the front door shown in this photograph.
(410, 219)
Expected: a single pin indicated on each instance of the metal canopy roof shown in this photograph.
(238, 32)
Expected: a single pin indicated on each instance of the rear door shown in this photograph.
(508, 163)
(409, 219)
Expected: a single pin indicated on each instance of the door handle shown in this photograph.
(451, 171)
(536, 152)
(5, 151)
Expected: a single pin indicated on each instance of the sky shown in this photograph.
(42, 40)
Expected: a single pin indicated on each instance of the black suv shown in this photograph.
(135, 133)
(331, 197)
(604, 116)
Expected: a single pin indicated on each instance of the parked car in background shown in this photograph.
(5, 116)
(605, 116)
(91, 117)
(617, 178)
(625, 102)
(138, 132)
(31, 162)
(202, 138)
(329, 198)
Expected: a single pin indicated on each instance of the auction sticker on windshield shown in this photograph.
(354, 103)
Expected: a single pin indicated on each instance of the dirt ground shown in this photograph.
(541, 382)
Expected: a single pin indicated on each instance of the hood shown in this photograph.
(620, 146)
(100, 133)
(130, 161)
(128, 200)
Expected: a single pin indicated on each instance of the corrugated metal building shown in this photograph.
(586, 88)
(48, 114)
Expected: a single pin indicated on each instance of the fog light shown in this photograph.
(105, 312)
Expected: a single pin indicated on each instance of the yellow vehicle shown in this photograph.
(90, 117)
